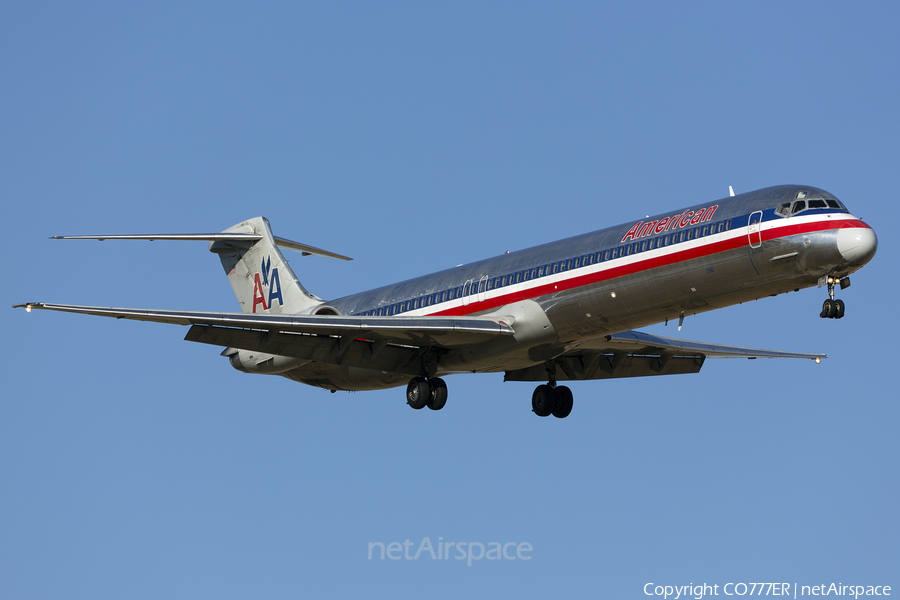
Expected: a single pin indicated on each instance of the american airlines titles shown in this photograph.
(689, 217)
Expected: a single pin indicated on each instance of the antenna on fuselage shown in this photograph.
(730, 191)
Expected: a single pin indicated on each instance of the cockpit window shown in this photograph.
(804, 202)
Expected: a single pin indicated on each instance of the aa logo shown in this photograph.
(270, 282)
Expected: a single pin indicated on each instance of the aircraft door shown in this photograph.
(467, 290)
(482, 288)
(754, 229)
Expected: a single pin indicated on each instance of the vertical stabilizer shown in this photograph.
(260, 276)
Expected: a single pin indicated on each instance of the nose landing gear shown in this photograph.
(831, 308)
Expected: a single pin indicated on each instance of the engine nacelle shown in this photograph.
(249, 361)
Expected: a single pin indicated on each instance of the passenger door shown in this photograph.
(754, 229)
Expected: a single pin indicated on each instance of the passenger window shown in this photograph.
(533, 273)
(784, 210)
(727, 224)
(555, 268)
(490, 284)
(540, 272)
(799, 206)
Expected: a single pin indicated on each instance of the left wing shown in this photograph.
(638, 354)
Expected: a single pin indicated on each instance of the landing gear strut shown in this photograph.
(831, 308)
(422, 392)
(550, 399)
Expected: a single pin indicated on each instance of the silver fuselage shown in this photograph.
(563, 294)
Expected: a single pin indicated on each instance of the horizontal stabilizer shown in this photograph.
(304, 249)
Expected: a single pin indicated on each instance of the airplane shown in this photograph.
(562, 311)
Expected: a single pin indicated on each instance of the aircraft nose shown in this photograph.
(857, 244)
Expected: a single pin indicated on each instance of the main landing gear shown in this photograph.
(831, 308)
(422, 392)
(550, 399)
(556, 401)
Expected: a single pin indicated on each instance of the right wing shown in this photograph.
(441, 332)
(396, 344)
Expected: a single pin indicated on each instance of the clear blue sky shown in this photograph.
(413, 138)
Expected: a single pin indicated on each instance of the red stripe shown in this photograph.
(645, 265)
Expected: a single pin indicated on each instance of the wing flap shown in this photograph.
(345, 351)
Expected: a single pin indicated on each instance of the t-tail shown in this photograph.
(259, 274)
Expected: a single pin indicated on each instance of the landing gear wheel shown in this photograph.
(566, 400)
(418, 392)
(438, 397)
(544, 400)
(828, 309)
(838, 309)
